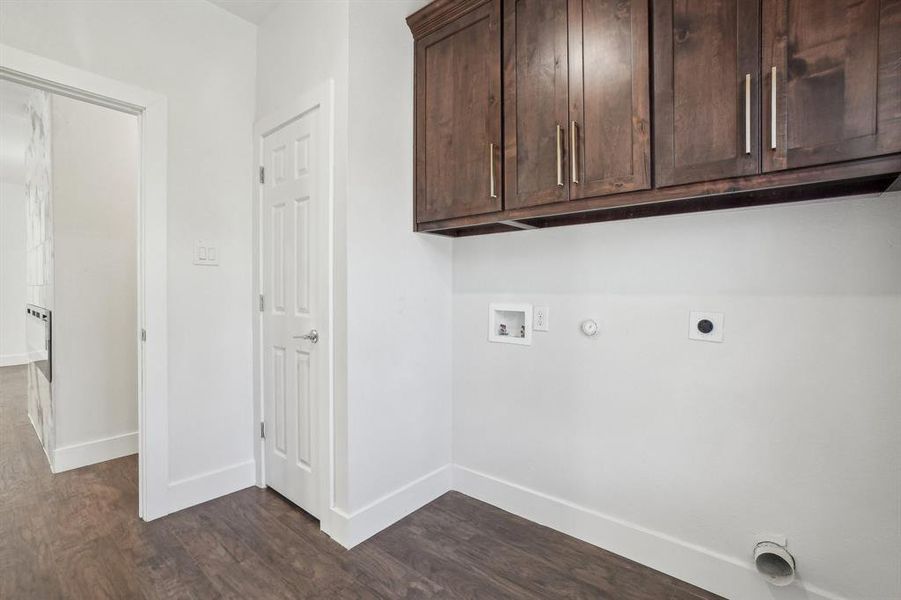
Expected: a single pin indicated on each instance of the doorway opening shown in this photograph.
(68, 250)
(92, 375)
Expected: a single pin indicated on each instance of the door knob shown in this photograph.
(313, 336)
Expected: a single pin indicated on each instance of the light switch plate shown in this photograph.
(205, 254)
(540, 318)
(715, 334)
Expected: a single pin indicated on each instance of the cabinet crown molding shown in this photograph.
(439, 13)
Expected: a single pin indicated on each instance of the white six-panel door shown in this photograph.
(294, 277)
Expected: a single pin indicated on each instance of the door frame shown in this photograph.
(151, 111)
(321, 97)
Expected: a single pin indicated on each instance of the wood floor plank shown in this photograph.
(436, 557)
(163, 566)
(525, 534)
(232, 569)
(24, 581)
(93, 569)
(78, 519)
(293, 557)
(27, 565)
(614, 575)
(76, 535)
(527, 569)
(384, 574)
(348, 591)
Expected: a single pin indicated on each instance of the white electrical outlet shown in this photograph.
(706, 326)
(540, 320)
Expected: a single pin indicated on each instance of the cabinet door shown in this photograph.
(837, 70)
(609, 129)
(535, 102)
(705, 89)
(458, 117)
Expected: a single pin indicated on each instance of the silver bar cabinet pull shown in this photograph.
(573, 144)
(747, 113)
(773, 108)
(559, 156)
(492, 193)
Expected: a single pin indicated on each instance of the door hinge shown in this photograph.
(262, 303)
(143, 335)
(262, 175)
(262, 430)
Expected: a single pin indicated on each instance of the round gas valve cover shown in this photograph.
(589, 327)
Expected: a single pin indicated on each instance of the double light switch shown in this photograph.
(205, 254)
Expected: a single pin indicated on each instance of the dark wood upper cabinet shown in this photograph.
(706, 89)
(609, 128)
(536, 110)
(576, 104)
(458, 113)
(536, 113)
(837, 69)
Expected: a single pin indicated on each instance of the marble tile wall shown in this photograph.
(39, 252)
(39, 224)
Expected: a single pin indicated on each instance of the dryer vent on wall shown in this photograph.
(775, 563)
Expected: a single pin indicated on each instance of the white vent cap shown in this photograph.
(775, 563)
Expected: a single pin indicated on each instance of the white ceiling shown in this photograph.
(15, 131)
(249, 10)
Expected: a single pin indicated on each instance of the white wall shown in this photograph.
(12, 274)
(95, 158)
(203, 60)
(399, 282)
(15, 134)
(789, 426)
(302, 44)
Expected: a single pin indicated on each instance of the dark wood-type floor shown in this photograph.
(76, 535)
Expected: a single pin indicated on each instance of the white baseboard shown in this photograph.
(11, 360)
(350, 530)
(724, 575)
(89, 453)
(207, 486)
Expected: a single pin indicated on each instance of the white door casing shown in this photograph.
(295, 266)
